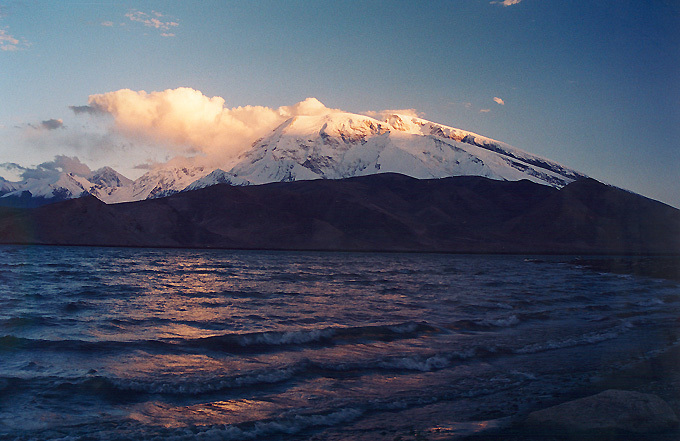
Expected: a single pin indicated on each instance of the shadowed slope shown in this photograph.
(387, 212)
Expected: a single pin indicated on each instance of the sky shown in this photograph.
(593, 84)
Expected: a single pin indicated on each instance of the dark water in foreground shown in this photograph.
(181, 344)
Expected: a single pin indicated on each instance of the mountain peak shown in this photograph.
(106, 176)
(336, 144)
(317, 142)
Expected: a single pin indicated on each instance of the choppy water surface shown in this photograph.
(188, 344)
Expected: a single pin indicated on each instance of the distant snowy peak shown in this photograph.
(7, 186)
(340, 145)
(105, 184)
(106, 181)
(108, 177)
(215, 177)
(58, 186)
(157, 183)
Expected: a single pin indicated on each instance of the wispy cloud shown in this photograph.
(506, 2)
(153, 20)
(499, 101)
(484, 110)
(107, 23)
(10, 43)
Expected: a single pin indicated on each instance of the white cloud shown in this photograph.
(10, 43)
(152, 21)
(484, 110)
(499, 101)
(107, 23)
(506, 2)
(185, 121)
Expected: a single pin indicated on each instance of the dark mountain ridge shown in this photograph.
(385, 212)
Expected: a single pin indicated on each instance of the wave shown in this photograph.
(331, 335)
(275, 428)
(485, 324)
(234, 343)
(584, 339)
(264, 429)
(125, 389)
(129, 388)
(27, 320)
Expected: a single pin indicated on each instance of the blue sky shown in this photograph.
(593, 85)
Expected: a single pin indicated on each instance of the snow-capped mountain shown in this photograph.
(6, 186)
(106, 181)
(333, 145)
(57, 186)
(108, 177)
(340, 145)
(215, 177)
(157, 183)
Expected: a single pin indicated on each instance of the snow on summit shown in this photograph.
(315, 142)
(339, 145)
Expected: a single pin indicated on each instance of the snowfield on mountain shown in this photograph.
(341, 145)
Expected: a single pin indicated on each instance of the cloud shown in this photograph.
(52, 124)
(10, 43)
(185, 121)
(506, 2)
(84, 109)
(153, 21)
(484, 110)
(60, 164)
(11, 171)
(499, 101)
(66, 164)
(107, 23)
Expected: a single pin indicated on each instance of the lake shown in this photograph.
(114, 343)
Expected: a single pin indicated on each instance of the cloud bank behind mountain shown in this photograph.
(187, 122)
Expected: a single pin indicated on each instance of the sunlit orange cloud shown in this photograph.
(187, 121)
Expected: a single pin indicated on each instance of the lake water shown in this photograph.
(194, 344)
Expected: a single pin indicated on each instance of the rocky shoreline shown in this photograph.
(642, 399)
(656, 377)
